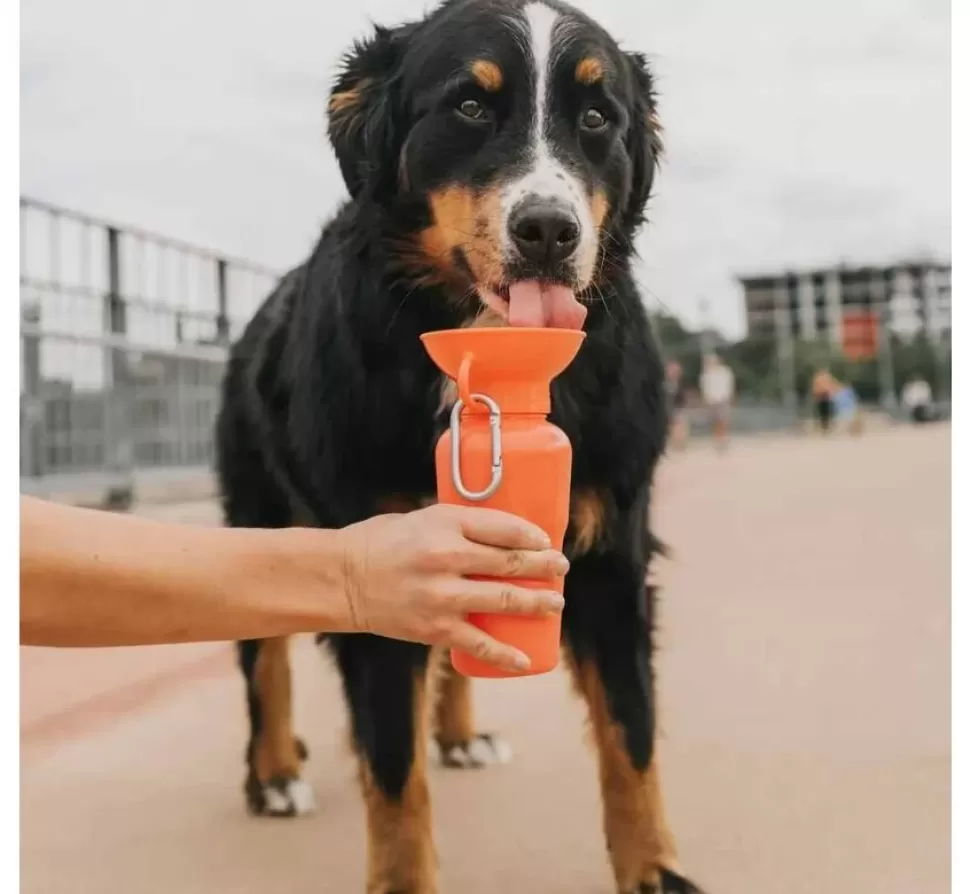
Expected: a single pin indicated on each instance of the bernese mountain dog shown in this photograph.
(498, 155)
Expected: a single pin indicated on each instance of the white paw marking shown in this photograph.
(455, 757)
(301, 795)
(483, 751)
(295, 797)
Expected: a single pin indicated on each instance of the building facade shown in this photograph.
(844, 305)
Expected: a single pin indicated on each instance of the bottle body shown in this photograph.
(537, 467)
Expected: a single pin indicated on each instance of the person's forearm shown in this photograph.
(90, 578)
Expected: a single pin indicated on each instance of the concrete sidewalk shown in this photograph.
(805, 689)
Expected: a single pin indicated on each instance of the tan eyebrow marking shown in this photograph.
(487, 74)
(589, 70)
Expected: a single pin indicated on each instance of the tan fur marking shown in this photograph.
(465, 220)
(657, 132)
(599, 206)
(454, 714)
(276, 750)
(487, 74)
(588, 515)
(638, 837)
(486, 318)
(589, 71)
(348, 99)
(400, 849)
(452, 215)
(449, 394)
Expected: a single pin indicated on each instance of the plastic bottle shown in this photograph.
(508, 457)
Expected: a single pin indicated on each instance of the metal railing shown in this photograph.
(124, 336)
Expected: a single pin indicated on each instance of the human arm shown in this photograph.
(91, 578)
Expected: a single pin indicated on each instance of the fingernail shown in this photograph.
(561, 565)
(521, 662)
(543, 539)
(553, 602)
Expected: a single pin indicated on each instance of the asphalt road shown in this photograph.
(805, 675)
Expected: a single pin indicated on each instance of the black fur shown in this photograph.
(330, 403)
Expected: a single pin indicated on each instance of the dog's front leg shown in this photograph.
(608, 638)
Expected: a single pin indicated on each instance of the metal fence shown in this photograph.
(124, 336)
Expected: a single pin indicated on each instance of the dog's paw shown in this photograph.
(669, 883)
(280, 797)
(484, 750)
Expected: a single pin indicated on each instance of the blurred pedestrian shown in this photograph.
(717, 391)
(845, 405)
(677, 405)
(824, 387)
(917, 398)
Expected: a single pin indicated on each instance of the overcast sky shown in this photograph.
(797, 133)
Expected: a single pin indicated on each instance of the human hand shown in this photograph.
(406, 576)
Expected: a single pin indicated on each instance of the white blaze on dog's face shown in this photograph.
(514, 141)
(548, 199)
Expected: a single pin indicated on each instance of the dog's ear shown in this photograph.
(644, 139)
(363, 115)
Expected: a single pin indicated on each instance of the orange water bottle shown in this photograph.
(501, 451)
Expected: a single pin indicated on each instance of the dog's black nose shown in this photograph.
(544, 232)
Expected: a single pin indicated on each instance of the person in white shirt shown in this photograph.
(917, 397)
(717, 390)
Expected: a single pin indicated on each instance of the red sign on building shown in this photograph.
(860, 334)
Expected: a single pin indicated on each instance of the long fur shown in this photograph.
(331, 405)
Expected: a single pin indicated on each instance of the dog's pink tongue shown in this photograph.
(539, 305)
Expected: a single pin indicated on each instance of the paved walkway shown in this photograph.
(805, 675)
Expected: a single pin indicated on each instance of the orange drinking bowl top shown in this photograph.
(502, 452)
(514, 366)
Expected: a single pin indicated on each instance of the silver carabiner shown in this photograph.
(495, 424)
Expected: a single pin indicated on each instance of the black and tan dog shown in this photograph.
(499, 155)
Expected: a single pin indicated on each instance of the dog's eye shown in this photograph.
(471, 109)
(593, 119)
